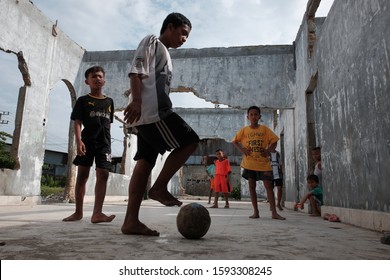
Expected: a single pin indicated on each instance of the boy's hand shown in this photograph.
(81, 150)
(132, 112)
(246, 151)
(264, 152)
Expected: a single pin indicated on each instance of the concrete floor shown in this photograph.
(37, 233)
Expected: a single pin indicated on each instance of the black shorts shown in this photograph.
(101, 155)
(165, 135)
(257, 175)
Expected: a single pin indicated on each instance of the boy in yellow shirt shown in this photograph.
(256, 142)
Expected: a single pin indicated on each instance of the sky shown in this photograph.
(100, 25)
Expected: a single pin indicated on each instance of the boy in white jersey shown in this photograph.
(158, 128)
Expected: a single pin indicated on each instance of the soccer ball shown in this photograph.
(193, 221)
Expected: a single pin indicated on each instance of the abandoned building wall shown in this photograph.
(353, 64)
(46, 55)
(348, 75)
(236, 76)
(220, 123)
(231, 76)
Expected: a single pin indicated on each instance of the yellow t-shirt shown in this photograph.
(255, 139)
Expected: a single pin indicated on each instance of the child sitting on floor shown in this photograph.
(314, 195)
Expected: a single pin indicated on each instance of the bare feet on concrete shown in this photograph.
(101, 218)
(73, 217)
(277, 217)
(164, 197)
(139, 229)
(255, 215)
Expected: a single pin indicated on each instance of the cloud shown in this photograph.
(121, 24)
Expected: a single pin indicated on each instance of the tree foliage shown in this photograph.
(6, 159)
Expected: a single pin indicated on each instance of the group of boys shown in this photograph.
(149, 114)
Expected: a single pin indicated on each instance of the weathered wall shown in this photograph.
(44, 60)
(351, 104)
(352, 97)
(236, 76)
(231, 76)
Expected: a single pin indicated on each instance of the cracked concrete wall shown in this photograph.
(351, 107)
(238, 76)
(234, 76)
(46, 60)
(353, 65)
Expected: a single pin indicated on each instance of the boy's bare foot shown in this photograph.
(101, 218)
(164, 197)
(255, 216)
(139, 229)
(227, 206)
(214, 206)
(280, 207)
(277, 217)
(73, 217)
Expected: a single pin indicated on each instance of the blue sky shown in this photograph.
(99, 25)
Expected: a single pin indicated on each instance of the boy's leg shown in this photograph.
(175, 160)
(314, 206)
(216, 196)
(137, 187)
(81, 181)
(253, 195)
(211, 192)
(226, 195)
(279, 197)
(271, 199)
(100, 194)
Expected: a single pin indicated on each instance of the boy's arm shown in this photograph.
(80, 144)
(306, 197)
(133, 110)
(271, 148)
(243, 150)
(229, 170)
